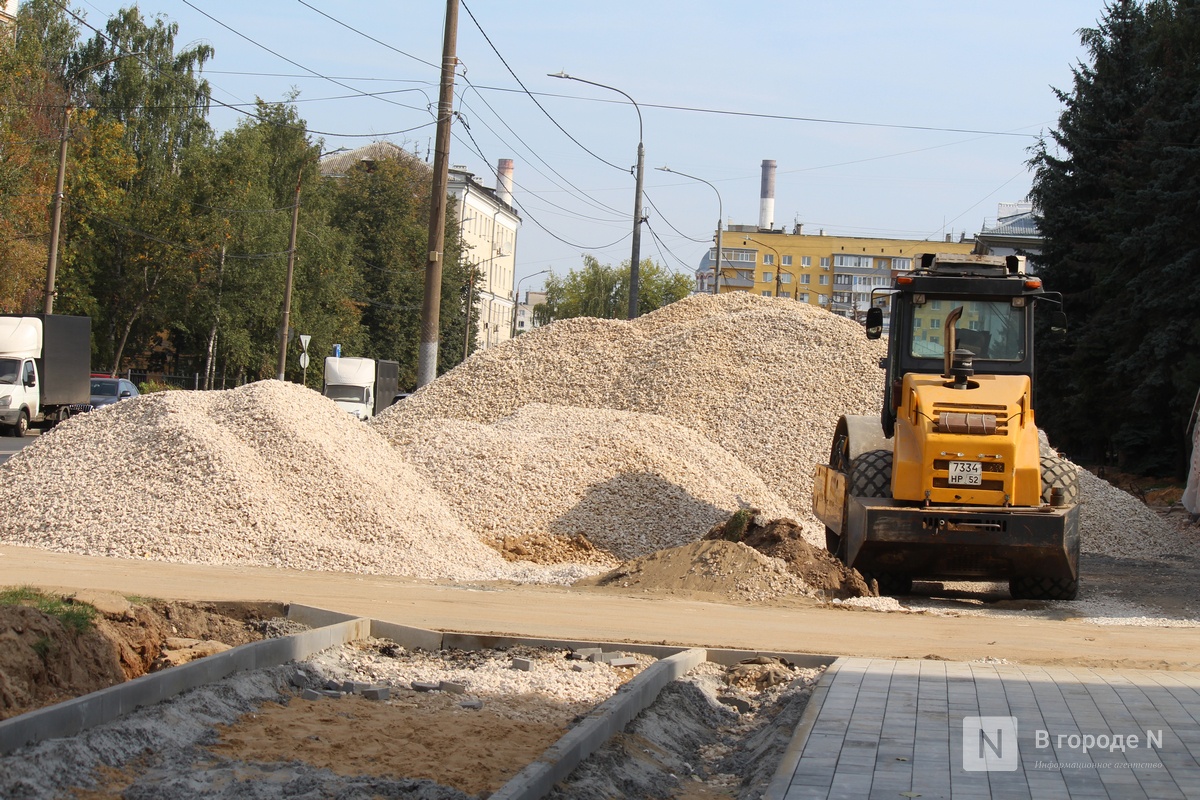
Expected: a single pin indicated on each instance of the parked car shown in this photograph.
(107, 390)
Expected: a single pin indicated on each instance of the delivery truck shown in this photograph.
(361, 386)
(45, 369)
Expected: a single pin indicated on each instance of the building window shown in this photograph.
(786, 277)
(804, 297)
(936, 305)
(824, 280)
(935, 323)
(845, 260)
(902, 264)
(765, 293)
(785, 294)
(787, 261)
(768, 258)
(917, 322)
(824, 262)
(822, 299)
(768, 277)
(806, 279)
(806, 261)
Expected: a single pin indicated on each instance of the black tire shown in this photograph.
(1057, 473)
(1026, 588)
(22, 426)
(1061, 474)
(871, 476)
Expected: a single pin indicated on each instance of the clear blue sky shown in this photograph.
(988, 68)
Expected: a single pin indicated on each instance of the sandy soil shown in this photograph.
(1044, 636)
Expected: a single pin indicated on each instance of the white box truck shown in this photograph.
(45, 370)
(361, 386)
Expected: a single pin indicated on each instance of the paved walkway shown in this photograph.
(877, 728)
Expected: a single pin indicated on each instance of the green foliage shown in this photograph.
(1117, 191)
(77, 617)
(151, 386)
(601, 290)
(384, 212)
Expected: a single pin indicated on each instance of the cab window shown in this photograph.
(992, 329)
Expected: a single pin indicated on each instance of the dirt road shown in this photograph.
(595, 614)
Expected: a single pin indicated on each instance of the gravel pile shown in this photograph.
(269, 474)
(631, 483)
(764, 379)
(1115, 523)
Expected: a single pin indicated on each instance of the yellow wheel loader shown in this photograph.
(950, 482)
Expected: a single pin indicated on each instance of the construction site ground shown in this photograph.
(1025, 632)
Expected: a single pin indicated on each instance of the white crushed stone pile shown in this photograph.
(269, 474)
(766, 379)
(1113, 522)
(632, 483)
(542, 692)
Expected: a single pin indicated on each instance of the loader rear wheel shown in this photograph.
(1057, 473)
(1062, 474)
(871, 476)
(1027, 588)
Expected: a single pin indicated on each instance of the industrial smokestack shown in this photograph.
(766, 197)
(505, 182)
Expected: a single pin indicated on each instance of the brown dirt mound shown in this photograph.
(43, 661)
(728, 570)
(784, 539)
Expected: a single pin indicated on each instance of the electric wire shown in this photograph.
(531, 96)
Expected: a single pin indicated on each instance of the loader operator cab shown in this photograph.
(979, 304)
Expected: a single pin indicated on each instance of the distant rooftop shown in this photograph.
(340, 163)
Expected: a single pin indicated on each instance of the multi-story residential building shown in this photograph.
(525, 319)
(489, 225)
(1014, 232)
(8, 13)
(837, 273)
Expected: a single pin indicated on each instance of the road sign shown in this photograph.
(304, 340)
(304, 361)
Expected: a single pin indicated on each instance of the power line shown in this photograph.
(531, 96)
(366, 35)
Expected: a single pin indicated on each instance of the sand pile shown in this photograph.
(765, 379)
(270, 474)
(630, 483)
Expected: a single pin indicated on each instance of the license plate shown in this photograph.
(966, 473)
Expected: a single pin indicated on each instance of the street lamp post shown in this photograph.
(517, 301)
(634, 266)
(778, 267)
(720, 216)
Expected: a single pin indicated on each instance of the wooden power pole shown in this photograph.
(427, 356)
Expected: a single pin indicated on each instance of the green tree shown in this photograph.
(1116, 192)
(384, 209)
(602, 290)
(140, 254)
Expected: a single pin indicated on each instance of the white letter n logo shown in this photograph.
(990, 744)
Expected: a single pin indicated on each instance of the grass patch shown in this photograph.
(74, 616)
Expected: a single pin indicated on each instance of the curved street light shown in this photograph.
(634, 267)
(779, 270)
(517, 300)
(720, 216)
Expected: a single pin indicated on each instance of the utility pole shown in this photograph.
(287, 292)
(634, 265)
(52, 265)
(427, 356)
